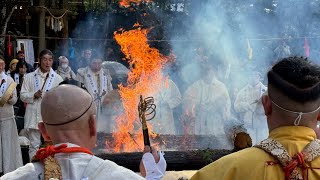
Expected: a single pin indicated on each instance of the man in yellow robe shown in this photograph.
(292, 150)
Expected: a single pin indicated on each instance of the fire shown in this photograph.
(127, 3)
(145, 78)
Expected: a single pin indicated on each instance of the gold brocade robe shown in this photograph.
(251, 163)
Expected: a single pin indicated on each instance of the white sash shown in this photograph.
(17, 78)
(3, 87)
(49, 81)
(93, 83)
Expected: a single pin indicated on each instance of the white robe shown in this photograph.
(10, 152)
(166, 100)
(82, 76)
(248, 105)
(209, 104)
(76, 166)
(33, 114)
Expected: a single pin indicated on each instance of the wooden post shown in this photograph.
(42, 27)
(65, 29)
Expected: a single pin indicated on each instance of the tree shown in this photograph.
(7, 9)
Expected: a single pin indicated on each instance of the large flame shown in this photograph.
(145, 78)
(127, 3)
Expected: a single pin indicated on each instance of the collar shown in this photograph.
(40, 73)
(293, 133)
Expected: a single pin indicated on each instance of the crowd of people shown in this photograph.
(287, 107)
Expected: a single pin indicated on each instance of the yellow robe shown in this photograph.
(251, 163)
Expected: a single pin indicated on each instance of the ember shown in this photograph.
(145, 78)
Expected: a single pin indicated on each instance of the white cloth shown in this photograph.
(10, 152)
(209, 103)
(31, 84)
(17, 78)
(154, 171)
(76, 166)
(66, 73)
(166, 100)
(88, 78)
(33, 136)
(90, 81)
(29, 87)
(249, 106)
(3, 83)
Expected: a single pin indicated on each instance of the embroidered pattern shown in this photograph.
(290, 164)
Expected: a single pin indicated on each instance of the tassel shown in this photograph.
(249, 50)
(306, 47)
(9, 47)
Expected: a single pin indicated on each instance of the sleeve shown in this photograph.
(59, 79)
(214, 171)
(227, 112)
(173, 96)
(26, 94)
(73, 75)
(80, 76)
(191, 98)
(240, 103)
(109, 86)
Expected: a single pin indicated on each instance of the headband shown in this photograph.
(298, 119)
(74, 118)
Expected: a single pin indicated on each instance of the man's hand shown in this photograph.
(153, 165)
(38, 94)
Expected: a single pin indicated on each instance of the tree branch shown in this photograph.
(2, 39)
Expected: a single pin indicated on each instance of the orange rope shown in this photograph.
(43, 153)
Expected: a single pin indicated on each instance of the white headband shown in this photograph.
(298, 119)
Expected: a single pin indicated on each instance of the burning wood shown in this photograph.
(145, 78)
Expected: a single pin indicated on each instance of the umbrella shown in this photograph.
(118, 72)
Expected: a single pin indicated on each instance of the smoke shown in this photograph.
(217, 34)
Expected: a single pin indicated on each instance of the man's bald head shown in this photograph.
(68, 115)
(66, 104)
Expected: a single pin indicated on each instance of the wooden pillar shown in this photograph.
(42, 27)
(65, 29)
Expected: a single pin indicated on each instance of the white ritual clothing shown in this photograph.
(209, 103)
(32, 83)
(10, 152)
(249, 106)
(76, 166)
(166, 100)
(96, 84)
(17, 78)
(88, 78)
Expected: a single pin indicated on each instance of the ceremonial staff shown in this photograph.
(147, 111)
(45, 80)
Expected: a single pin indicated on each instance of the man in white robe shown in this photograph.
(35, 85)
(166, 100)
(98, 83)
(74, 126)
(249, 106)
(206, 106)
(10, 152)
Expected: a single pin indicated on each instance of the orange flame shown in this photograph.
(127, 3)
(145, 78)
